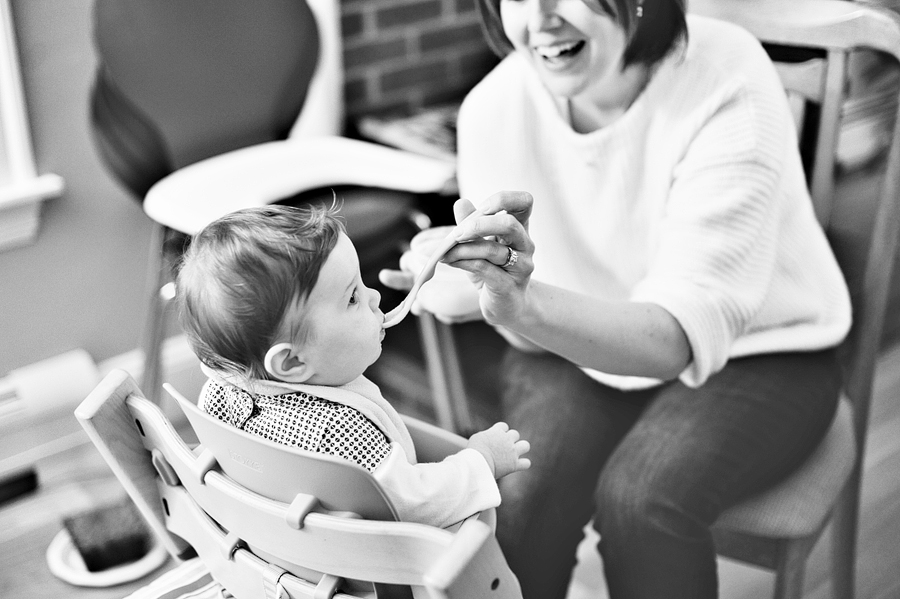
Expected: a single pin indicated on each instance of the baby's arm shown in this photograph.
(502, 448)
(438, 493)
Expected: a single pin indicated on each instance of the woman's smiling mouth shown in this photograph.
(555, 52)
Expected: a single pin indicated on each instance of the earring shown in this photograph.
(640, 10)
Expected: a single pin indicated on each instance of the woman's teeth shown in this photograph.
(557, 50)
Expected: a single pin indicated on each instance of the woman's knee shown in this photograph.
(637, 504)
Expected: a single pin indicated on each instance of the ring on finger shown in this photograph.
(511, 258)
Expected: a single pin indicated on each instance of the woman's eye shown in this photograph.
(354, 297)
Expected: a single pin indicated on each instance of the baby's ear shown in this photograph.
(283, 362)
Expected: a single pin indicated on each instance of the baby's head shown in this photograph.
(275, 292)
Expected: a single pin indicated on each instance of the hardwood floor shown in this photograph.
(77, 479)
(70, 483)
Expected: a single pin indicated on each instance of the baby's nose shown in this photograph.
(374, 298)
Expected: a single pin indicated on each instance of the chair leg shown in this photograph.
(444, 374)
(844, 523)
(455, 381)
(155, 323)
(791, 568)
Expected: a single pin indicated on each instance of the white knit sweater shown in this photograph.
(694, 199)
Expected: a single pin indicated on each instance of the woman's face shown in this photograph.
(575, 49)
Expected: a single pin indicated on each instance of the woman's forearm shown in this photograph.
(618, 337)
(518, 341)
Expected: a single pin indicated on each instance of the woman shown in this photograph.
(670, 301)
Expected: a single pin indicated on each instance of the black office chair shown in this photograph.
(180, 81)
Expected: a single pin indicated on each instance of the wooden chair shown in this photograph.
(275, 522)
(779, 528)
(815, 38)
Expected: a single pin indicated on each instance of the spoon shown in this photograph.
(399, 313)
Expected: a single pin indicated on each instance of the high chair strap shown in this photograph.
(272, 583)
(327, 587)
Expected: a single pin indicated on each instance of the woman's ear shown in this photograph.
(284, 363)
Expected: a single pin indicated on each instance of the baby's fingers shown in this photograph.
(522, 446)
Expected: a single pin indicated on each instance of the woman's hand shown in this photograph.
(396, 279)
(497, 252)
(448, 295)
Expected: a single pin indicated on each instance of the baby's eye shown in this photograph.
(354, 297)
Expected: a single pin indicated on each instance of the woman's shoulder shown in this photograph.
(724, 51)
(721, 65)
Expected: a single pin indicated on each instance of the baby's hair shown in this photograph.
(240, 275)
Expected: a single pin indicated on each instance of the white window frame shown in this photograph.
(22, 190)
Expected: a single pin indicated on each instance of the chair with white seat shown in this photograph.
(811, 42)
(275, 522)
(203, 107)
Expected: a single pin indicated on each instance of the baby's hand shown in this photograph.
(502, 448)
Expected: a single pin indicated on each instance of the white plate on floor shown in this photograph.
(67, 564)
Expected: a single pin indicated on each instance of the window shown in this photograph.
(21, 189)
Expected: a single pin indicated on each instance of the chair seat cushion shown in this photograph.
(368, 212)
(799, 505)
(193, 196)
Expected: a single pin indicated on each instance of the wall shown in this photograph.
(81, 284)
(404, 54)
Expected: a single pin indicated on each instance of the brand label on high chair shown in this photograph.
(249, 463)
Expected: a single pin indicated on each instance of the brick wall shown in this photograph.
(400, 55)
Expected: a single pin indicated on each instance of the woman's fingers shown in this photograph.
(461, 209)
(495, 252)
(396, 279)
(503, 228)
(517, 203)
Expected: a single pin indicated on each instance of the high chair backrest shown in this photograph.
(257, 546)
(281, 472)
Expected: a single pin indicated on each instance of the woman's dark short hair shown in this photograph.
(652, 36)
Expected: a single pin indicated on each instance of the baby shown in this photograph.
(274, 306)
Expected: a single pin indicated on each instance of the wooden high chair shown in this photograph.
(275, 522)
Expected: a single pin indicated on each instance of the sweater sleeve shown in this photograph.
(719, 236)
(440, 493)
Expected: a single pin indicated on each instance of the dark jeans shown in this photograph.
(654, 468)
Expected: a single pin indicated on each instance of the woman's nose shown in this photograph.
(543, 15)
